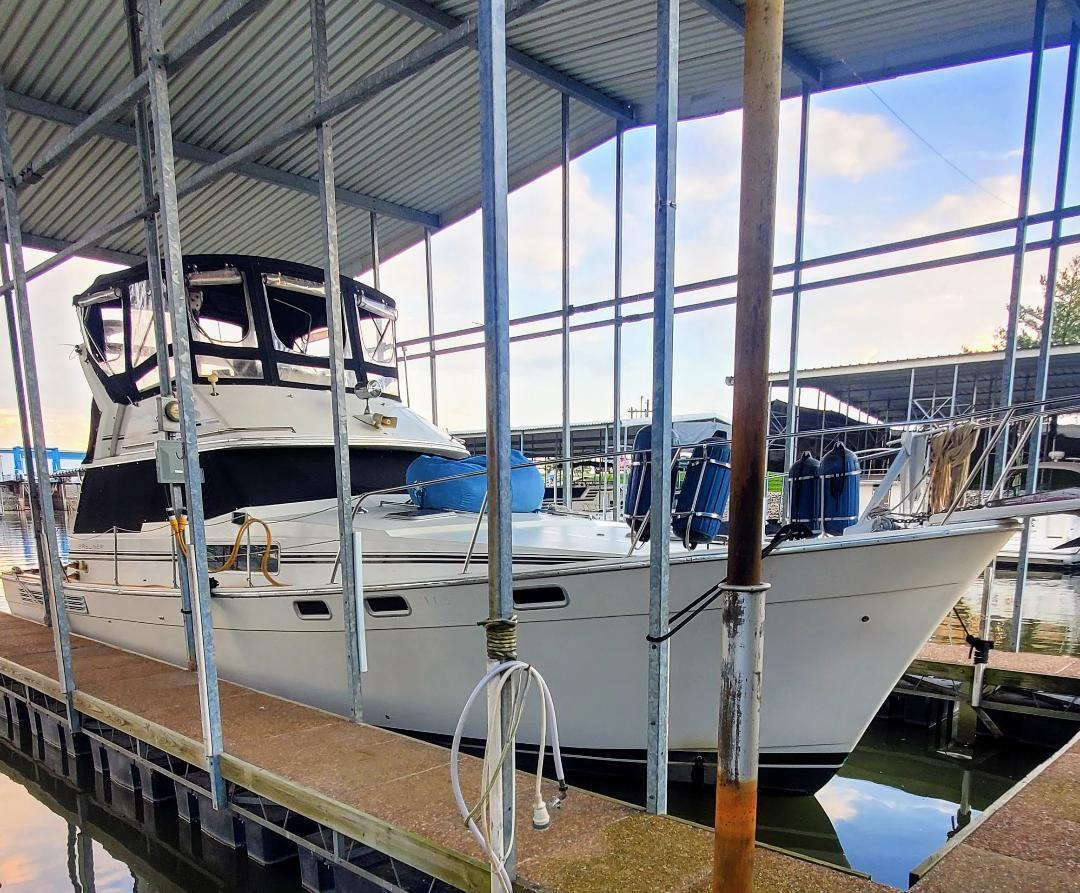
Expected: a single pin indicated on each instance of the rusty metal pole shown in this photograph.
(744, 613)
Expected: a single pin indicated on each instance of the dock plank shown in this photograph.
(390, 791)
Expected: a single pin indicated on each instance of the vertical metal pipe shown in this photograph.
(432, 371)
(24, 421)
(335, 325)
(910, 396)
(955, 382)
(52, 573)
(740, 690)
(157, 297)
(796, 287)
(491, 42)
(1046, 336)
(984, 632)
(169, 223)
(567, 469)
(374, 230)
(616, 414)
(667, 119)
(1008, 366)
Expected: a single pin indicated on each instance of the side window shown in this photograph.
(102, 317)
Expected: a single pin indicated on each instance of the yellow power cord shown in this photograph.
(179, 525)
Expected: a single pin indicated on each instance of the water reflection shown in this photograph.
(61, 833)
(1051, 612)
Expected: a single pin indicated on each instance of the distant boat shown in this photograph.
(1054, 539)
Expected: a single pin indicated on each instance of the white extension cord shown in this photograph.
(493, 762)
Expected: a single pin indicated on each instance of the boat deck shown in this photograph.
(386, 790)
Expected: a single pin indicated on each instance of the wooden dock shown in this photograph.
(365, 785)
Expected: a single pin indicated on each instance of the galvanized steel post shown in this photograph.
(796, 292)
(169, 218)
(157, 297)
(667, 119)
(52, 572)
(374, 230)
(32, 483)
(1027, 166)
(743, 614)
(491, 40)
(431, 326)
(567, 468)
(1046, 337)
(335, 325)
(616, 430)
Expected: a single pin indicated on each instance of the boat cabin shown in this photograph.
(252, 320)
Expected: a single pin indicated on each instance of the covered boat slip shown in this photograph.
(115, 140)
(374, 786)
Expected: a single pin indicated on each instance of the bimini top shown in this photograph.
(252, 320)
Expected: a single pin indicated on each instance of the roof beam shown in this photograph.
(46, 243)
(434, 18)
(735, 18)
(124, 133)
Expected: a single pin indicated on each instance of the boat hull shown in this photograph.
(844, 619)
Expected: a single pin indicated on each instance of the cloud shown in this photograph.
(852, 145)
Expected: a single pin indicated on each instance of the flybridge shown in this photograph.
(252, 320)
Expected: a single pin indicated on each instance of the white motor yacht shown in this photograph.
(1054, 539)
(845, 615)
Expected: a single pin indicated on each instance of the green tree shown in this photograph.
(1066, 328)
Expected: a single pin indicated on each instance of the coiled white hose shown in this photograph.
(506, 671)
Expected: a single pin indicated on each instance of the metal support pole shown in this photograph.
(952, 395)
(910, 395)
(568, 471)
(491, 40)
(1046, 336)
(1008, 366)
(24, 422)
(667, 118)
(52, 573)
(616, 429)
(336, 337)
(157, 297)
(984, 633)
(796, 288)
(169, 223)
(432, 372)
(374, 229)
(740, 690)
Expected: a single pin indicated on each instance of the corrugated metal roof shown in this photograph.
(417, 143)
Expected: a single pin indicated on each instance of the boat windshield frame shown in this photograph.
(238, 308)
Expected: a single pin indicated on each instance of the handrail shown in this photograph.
(1029, 411)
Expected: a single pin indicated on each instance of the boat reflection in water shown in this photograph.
(71, 833)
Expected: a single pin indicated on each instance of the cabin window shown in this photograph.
(312, 609)
(387, 606)
(297, 309)
(540, 597)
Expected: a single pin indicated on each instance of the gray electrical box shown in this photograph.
(170, 462)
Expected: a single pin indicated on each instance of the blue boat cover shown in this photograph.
(467, 494)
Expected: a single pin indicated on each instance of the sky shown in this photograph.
(900, 158)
